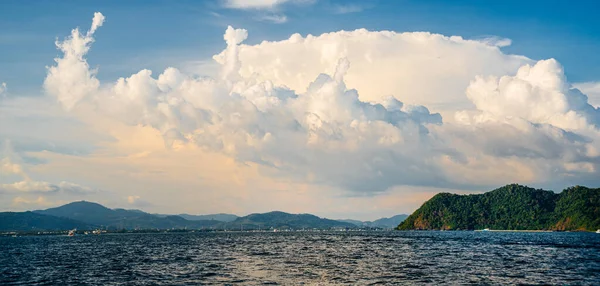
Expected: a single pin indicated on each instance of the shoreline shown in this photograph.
(508, 230)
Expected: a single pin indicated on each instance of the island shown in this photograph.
(512, 207)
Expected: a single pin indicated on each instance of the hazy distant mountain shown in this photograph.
(390, 222)
(30, 221)
(85, 215)
(218, 217)
(284, 220)
(97, 214)
(353, 221)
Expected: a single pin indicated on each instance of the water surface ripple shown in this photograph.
(310, 258)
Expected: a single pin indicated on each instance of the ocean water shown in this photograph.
(296, 258)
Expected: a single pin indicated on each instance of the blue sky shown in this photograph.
(354, 121)
(155, 34)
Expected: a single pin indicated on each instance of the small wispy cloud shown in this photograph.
(40, 201)
(262, 4)
(215, 14)
(11, 168)
(274, 18)
(495, 41)
(347, 9)
(132, 199)
(273, 7)
(29, 186)
(137, 201)
(253, 4)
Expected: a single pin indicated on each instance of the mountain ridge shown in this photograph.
(223, 217)
(88, 215)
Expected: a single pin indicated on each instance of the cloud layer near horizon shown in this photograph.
(329, 111)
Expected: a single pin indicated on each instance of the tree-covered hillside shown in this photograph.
(513, 207)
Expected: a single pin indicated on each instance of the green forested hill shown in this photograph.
(578, 208)
(513, 207)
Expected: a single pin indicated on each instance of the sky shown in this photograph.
(343, 109)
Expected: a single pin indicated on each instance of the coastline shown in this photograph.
(519, 230)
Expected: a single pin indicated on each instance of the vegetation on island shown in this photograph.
(512, 207)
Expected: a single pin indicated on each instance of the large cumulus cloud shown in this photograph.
(274, 106)
(415, 67)
(537, 117)
(538, 94)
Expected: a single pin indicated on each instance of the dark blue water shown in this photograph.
(302, 258)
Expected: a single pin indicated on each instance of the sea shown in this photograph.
(303, 258)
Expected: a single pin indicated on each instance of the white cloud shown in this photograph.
(72, 77)
(536, 118)
(97, 22)
(418, 68)
(539, 94)
(326, 133)
(287, 107)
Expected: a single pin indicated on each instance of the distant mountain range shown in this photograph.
(88, 215)
(219, 217)
(512, 207)
(390, 222)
